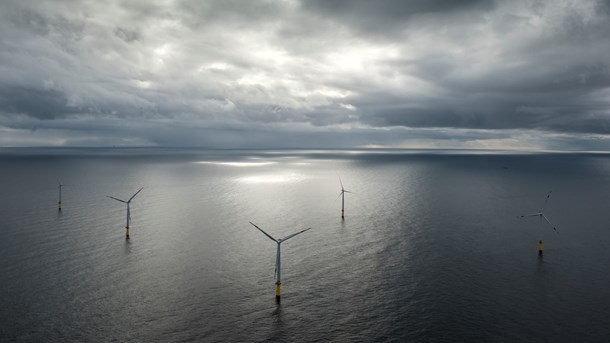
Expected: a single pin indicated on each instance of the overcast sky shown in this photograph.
(320, 73)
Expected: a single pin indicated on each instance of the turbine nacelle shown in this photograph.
(541, 213)
(128, 201)
(343, 190)
(279, 240)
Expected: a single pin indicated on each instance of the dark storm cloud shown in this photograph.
(547, 81)
(392, 9)
(370, 72)
(390, 16)
(38, 103)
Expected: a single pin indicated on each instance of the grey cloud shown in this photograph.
(391, 10)
(493, 112)
(385, 17)
(43, 104)
(56, 27)
(126, 35)
(249, 14)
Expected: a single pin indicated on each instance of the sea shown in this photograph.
(432, 248)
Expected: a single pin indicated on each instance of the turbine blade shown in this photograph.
(58, 182)
(133, 196)
(341, 182)
(116, 199)
(266, 234)
(294, 234)
(546, 200)
(338, 196)
(547, 219)
(551, 224)
(349, 192)
(530, 215)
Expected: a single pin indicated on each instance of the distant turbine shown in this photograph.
(128, 213)
(342, 195)
(541, 215)
(277, 258)
(59, 202)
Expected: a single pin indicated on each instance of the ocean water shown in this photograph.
(431, 248)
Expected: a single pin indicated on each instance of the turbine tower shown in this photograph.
(342, 195)
(59, 201)
(128, 212)
(278, 262)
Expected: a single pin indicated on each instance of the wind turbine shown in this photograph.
(541, 215)
(128, 213)
(277, 258)
(59, 202)
(342, 195)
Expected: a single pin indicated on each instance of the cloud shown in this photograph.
(38, 103)
(379, 18)
(289, 73)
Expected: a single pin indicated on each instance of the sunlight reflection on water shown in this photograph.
(273, 178)
(238, 164)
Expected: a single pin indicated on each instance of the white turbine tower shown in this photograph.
(342, 195)
(541, 215)
(277, 258)
(128, 213)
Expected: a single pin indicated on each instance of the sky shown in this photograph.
(532, 75)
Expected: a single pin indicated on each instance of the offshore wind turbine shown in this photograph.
(541, 215)
(342, 195)
(59, 201)
(278, 262)
(128, 213)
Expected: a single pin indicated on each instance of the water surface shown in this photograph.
(431, 248)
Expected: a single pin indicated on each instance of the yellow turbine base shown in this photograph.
(127, 233)
(540, 247)
(277, 290)
(59, 205)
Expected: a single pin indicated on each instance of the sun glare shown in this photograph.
(272, 178)
(238, 164)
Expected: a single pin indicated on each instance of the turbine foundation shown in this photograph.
(277, 292)
(540, 248)
(127, 232)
